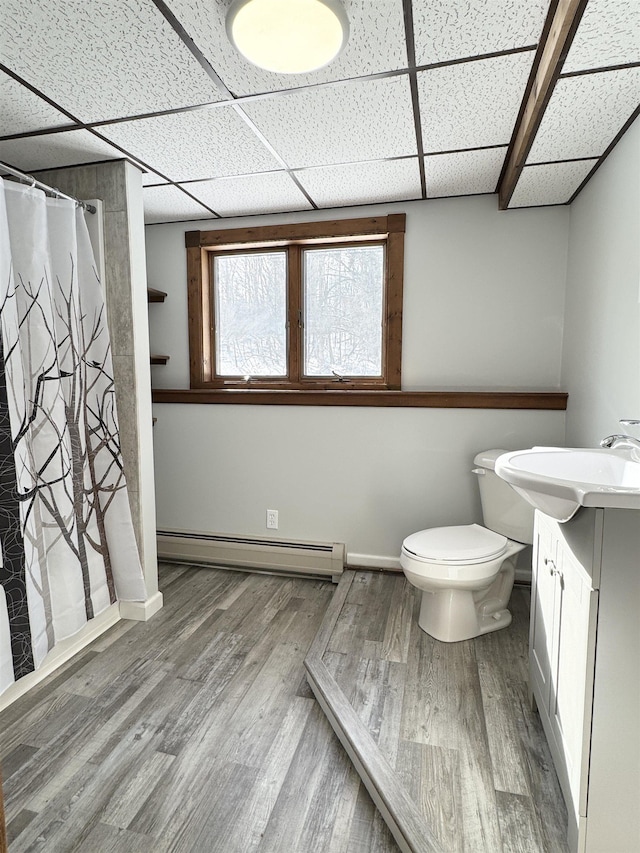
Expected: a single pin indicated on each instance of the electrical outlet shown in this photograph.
(272, 519)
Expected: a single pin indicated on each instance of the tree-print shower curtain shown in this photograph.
(67, 546)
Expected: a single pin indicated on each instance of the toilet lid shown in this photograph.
(469, 543)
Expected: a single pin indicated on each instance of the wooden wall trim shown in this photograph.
(394, 305)
(372, 225)
(199, 356)
(550, 400)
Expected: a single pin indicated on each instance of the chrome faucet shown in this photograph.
(618, 439)
(621, 439)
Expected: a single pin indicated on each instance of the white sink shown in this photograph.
(559, 480)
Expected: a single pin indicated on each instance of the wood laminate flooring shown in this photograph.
(453, 719)
(196, 731)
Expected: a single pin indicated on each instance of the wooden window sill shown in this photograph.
(555, 400)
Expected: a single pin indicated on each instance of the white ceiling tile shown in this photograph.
(464, 173)
(170, 204)
(364, 120)
(584, 114)
(608, 34)
(22, 110)
(102, 59)
(270, 192)
(376, 43)
(53, 150)
(362, 183)
(472, 104)
(550, 183)
(456, 29)
(196, 144)
(350, 142)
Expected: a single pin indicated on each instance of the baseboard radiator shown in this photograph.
(313, 559)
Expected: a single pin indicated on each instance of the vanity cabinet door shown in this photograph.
(543, 627)
(562, 656)
(585, 643)
(573, 669)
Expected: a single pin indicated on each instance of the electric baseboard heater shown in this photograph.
(313, 559)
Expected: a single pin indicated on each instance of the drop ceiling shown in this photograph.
(426, 101)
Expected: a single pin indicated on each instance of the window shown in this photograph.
(250, 314)
(311, 306)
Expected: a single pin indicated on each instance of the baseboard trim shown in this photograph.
(141, 611)
(406, 823)
(63, 652)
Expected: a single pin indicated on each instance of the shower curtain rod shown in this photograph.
(29, 179)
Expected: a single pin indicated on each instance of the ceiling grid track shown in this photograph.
(415, 98)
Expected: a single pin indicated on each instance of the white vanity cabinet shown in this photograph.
(584, 659)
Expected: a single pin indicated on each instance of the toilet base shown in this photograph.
(452, 615)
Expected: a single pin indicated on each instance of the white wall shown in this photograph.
(484, 295)
(601, 357)
(484, 301)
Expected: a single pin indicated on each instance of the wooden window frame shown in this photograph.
(202, 246)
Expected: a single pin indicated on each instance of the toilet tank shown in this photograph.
(503, 510)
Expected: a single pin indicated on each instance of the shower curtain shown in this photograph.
(67, 546)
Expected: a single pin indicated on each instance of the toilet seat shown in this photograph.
(455, 546)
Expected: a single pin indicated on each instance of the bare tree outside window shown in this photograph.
(343, 299)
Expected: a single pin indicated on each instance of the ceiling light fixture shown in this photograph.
(288, 36)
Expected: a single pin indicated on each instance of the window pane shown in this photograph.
(343, 298)
(250, 293)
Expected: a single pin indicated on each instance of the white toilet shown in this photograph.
(466, 573)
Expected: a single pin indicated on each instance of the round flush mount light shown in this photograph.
(288, 36)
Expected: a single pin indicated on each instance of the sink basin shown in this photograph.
(559, 480)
